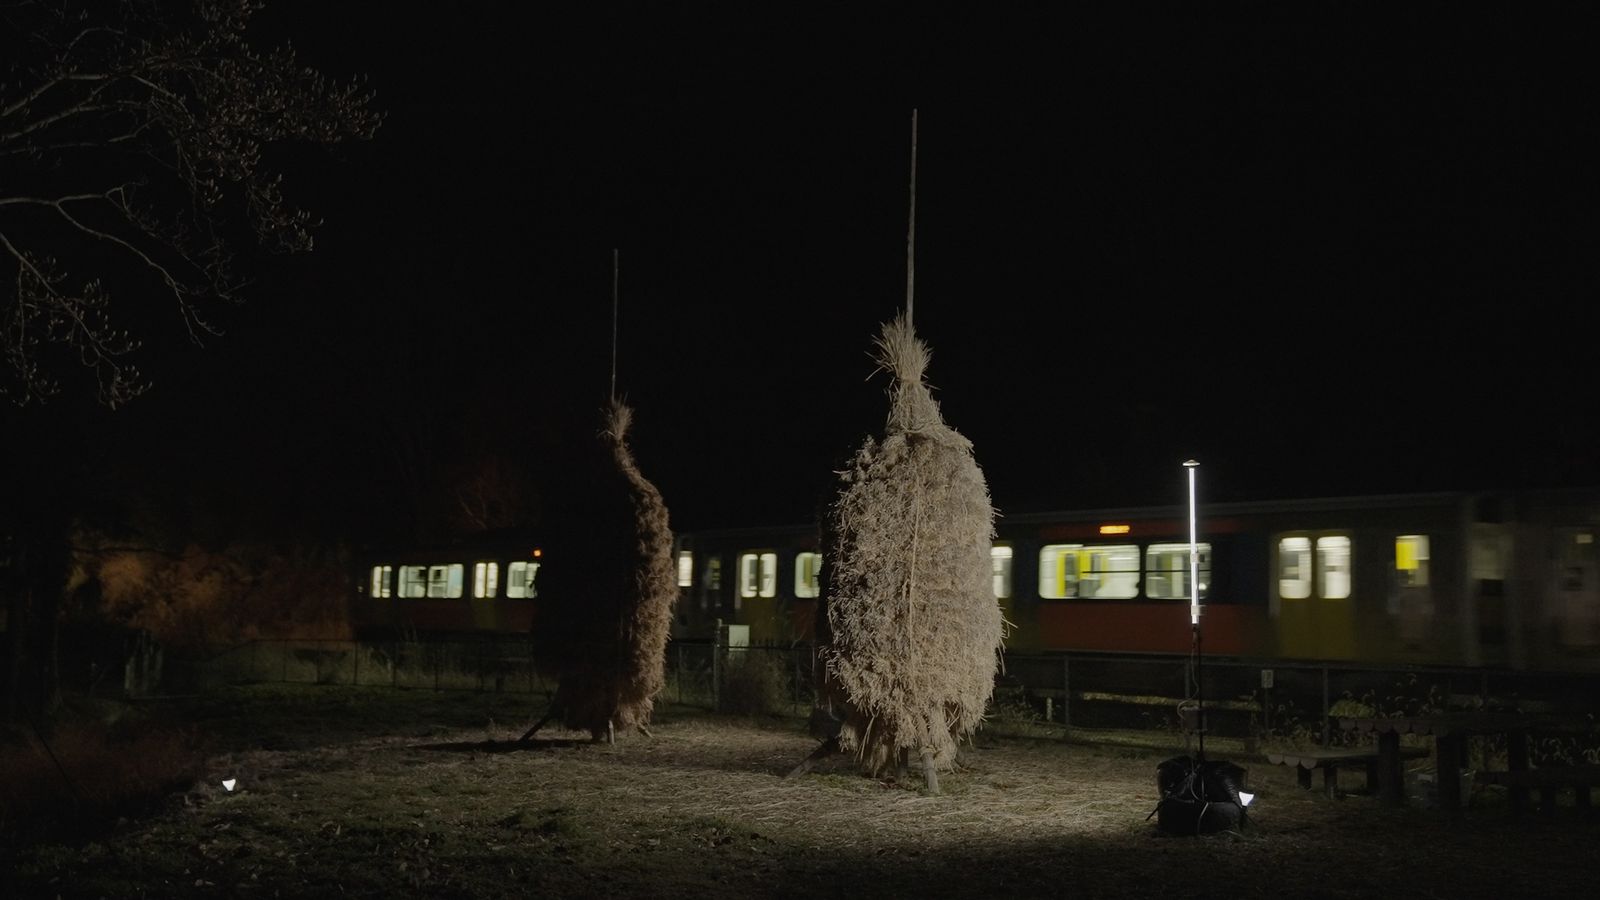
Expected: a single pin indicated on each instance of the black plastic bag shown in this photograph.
(1199, 796)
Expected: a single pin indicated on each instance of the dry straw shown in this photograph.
(911, 631)
(608, 600)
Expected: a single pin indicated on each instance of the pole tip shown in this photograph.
(1190, 464)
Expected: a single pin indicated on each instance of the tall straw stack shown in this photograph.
(608, 593)
(910, 628)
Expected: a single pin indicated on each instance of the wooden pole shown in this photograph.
(616, 270)
(911, 229)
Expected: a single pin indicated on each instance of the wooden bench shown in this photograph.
(1331, 761)
(1547, 780)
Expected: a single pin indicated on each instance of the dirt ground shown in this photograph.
(365, 793)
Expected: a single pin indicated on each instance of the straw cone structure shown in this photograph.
(609, 596)
(910, 631)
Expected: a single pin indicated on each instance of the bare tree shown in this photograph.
(137, 143)
(132, 134)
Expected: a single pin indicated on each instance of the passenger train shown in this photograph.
(1504, 579)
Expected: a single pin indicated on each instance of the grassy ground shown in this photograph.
(381, 793)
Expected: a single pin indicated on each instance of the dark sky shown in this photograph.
(1323, 253)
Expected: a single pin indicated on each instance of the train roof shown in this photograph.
(1390, 501)
(516, 541)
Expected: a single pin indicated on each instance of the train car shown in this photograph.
(1506, 579)
(484, 585)
(766, 579)
(1493, 578)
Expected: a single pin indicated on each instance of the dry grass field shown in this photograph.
(344, 792)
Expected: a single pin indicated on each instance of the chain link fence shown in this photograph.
(752, 680)
(1272, 701)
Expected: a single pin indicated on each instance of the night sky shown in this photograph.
(1330, 253)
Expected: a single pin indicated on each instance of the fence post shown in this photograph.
(716, 668)
(1066, 696)
(1327, 710)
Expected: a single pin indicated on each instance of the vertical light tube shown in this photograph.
(1194, 552)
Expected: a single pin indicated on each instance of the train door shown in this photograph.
(1410, 601)
(485, 591)
(755, 601)
(807, 590)
(1499, 637)
(1575, 589)
(1311, 596)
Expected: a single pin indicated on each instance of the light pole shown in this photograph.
(1194, 614)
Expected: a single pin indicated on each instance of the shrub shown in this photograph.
(203, 598)
(754, 684)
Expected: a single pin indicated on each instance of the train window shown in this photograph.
(1058, 571)
(445, 581)
(1000, 567)
(1333, 567)
(807, 566)
(1411, 560)
(1106, 571)
(1166, 571)
(486, 579)
(413, 581)
(714, 573)
(380, 580)
(1576, 564)
(1294, 568)
(520, 578)
(1490, 550)
(1113, 572)
(758, 574)
(685, 568)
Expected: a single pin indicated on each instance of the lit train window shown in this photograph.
(758, 574)
(1333, 567)
(1112, 573)
(520, 578)
(413, 581)
(486, 579)
(1411, 560)
(1000, 569)
(1331, 574)
(380, 580)
(1058, 571)
(445, 581)
(807, 566)
(685, 568)
(1166, 571)
(1106, 571)
(1294, 568)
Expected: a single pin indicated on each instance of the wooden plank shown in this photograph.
(1316, 759)
(1544, 776)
